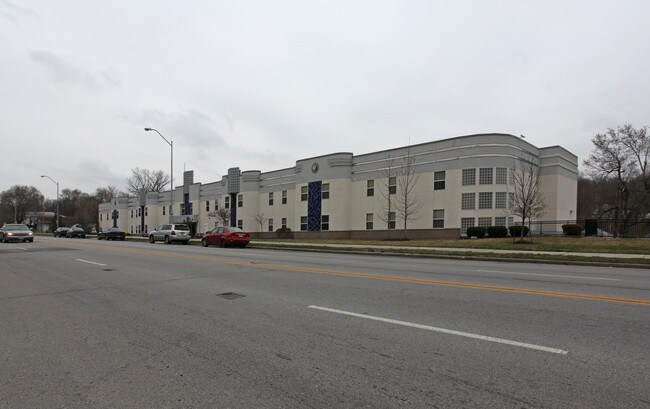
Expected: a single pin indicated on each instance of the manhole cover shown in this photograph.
(230, 296)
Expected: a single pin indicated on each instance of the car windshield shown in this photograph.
(17, 228)
(181, 227)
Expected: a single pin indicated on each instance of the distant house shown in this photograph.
(40, 221)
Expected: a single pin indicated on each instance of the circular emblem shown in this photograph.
(314, 167)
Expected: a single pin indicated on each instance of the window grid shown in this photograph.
(485, 176)
(468, 201)
(240, 200)
(502, 176)
(270, 198)
(325, 192)
(485, 200)
(469, 177)
(370, 188)
(284, 197)
(439, 218)
(303, 223)
(466, 222)
(270, 224)
(369, 221)
(304, 193)
(500, 200)
(325, 222)
(439, 180)
(484, 221)
(227, 202)
(500, 221)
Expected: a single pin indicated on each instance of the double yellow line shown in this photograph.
(645, 303)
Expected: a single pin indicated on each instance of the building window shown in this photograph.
(468, 201)
(240, 224)
(303, 223)
(502, 176)
(500, 201)
(146, 229)
(101, 217)
(164, 210)
(370, 188)
(485, 200)
(484, 221)
(284, 197)
(391, 220)
(182, 208)
(325, 192)
(369, 221)
(511, 200)
(146, 211)
(304, 194)
(325, 222)
(439, 218)
(226, 201)
(270, 224)
(392, 185)
(284, 222)
(117, 214)
(485, 176)
(240, 200)
(511, 221)
(466, 222)
(270, 198)
(132, 213)
(131, 229)
(500, 221)
(439, 180)
(207, 205)
(469, 177)
(138, 212)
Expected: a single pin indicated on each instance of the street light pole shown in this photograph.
(57, 198)
(171, 174)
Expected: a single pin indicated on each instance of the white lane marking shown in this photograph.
(547, 275)
(90, 262)
(22, 248)
(445, 331)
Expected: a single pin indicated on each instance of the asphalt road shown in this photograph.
(95, 324)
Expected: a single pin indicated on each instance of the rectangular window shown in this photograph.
(469, 177)
(284, 222)
(284, 197)
(325, 222)
(304, 193)
(164, 210)
(131, 229)
(132, 213)
(240, 224)
(484, 221)
(502, 176)
(485, 200)
(500, 201)
(303, 223)
(207, 205)
(370, 188)
(325, 192)
(439, 180)
(101, 217)
(391, 220)
(270, 224)
(468, 201)
(226, 201)
(182, 208)
(485, 176)
(392, 185)
(270, 198)
(146, 229)
(369, 221)
(439, 218)
(499, 221)
(511, 201)
(117, 214)
(240, 200)
(466, 222)
(511, 221)
(146, 211)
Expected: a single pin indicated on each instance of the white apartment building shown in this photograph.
(456, 183)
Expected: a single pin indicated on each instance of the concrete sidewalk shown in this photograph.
(454, 249)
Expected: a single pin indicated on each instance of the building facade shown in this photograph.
(452, 184)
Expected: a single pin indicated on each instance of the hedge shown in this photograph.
(476, 231)
(497, 231)
(572, 229)
(515, 231)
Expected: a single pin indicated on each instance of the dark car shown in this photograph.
(16, 232)
(61, 232)
(111, 233)
(226, 236)
(76, 232)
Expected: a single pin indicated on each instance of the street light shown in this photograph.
(57, 198)
(171, 174)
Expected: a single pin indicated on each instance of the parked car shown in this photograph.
(111, 233)
(61, 232)
(170, 233)
(76, 232)
(16, 232)
(226, 236)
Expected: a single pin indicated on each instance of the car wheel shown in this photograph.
(222, 243)
(122, 239)
(167, 241)
(151, 239)
(185, 242)
(242, 245)
(31, 240)
(204, 243)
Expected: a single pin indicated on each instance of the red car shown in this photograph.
(226, 236)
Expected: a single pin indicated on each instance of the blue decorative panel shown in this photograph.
(314, 206)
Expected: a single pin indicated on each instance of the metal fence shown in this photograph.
(631, 228)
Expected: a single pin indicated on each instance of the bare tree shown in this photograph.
(623, 155)
(387, 189)
(150, 180)
(259, 218)
(222, 215)
(408, 204)
(106, 194)
(527, 200)
(17, 200)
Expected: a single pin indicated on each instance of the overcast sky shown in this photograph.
(261, 84)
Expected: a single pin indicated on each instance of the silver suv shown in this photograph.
(170, 233)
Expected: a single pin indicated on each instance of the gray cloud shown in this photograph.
(62, 71)
(14, 12)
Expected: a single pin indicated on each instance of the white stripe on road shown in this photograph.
(445, 331)
(22, 248)
(547, 275)
(90, 262)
